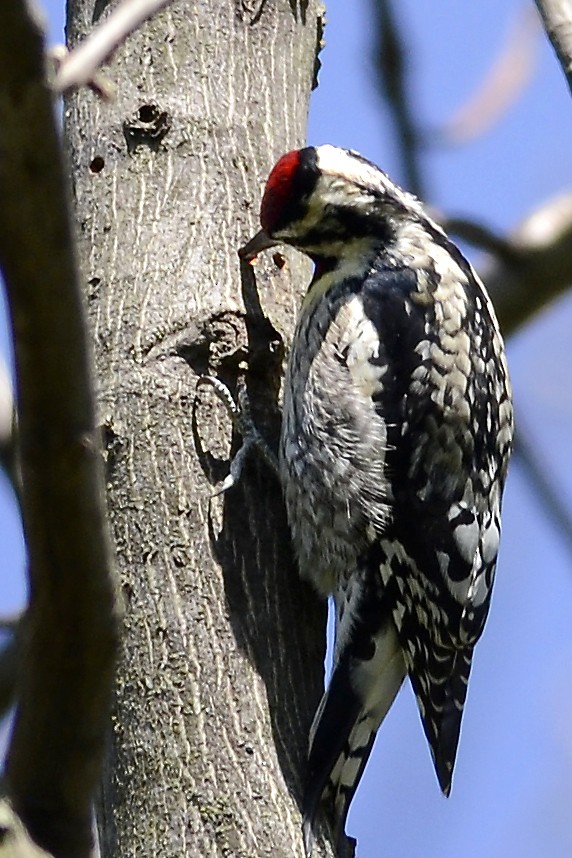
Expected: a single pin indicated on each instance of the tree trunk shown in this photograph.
(223, 646)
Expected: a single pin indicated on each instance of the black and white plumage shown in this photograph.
(396, 435)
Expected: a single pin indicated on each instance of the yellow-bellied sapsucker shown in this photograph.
(396, 436)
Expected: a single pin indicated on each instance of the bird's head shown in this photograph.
(322, 199)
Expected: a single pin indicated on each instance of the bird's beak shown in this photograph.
(261, 241)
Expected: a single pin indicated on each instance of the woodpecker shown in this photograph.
(396, 436)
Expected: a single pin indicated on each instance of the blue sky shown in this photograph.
(513, 780)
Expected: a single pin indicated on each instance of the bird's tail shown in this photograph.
(364, 683)
(440, 687)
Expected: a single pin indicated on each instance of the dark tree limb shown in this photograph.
(8, 673)
(69, 641)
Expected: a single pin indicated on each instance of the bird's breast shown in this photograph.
(334, 440)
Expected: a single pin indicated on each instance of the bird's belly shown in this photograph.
(332, 460)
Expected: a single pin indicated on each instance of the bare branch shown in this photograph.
(543, 484)
(98, 83)
(393, 69)
(8, 675)
(15, 841)
(530, 267)
(538, 266)
(11, 626)
(79, 67)
(65, 681)
(478, 234)
(504, 81)
(7, 458)
(557, 18)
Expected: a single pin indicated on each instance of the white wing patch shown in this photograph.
(466, 535)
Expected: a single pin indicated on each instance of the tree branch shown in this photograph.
(8, 675)
(530, 267)
(543, 484)
(557, 18)
(477, 234)
(526, 271)
(70, 636)
(79, 67)
(537, 267)
(15, 841)
(392, 68)
(7, 457)
(505, 79)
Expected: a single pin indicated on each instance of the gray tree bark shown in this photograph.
(221, 666)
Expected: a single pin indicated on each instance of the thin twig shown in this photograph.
(543, 485)
(79, 67)
(557, 17)
(477, 234)
(98, 83)
(393, 69)
(503, 82)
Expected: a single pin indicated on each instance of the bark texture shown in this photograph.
(221, 667)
